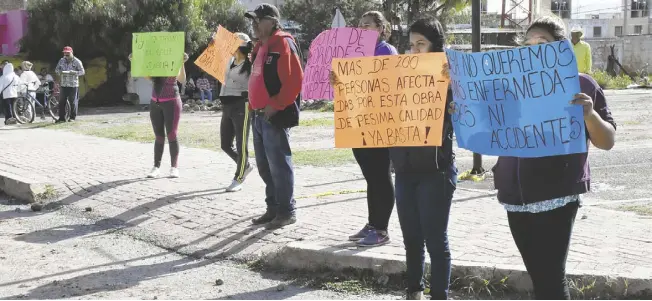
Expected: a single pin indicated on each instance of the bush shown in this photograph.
(607, 81)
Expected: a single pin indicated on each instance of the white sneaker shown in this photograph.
(174, 172)
(247, 171)
(154, 173)
(235, 186)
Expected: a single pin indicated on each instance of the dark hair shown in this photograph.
(552, 24)
(380, 21)
(246, 50)
(159, 83)
(432, 30)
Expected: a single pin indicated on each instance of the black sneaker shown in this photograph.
(281, 221)
(265, 218)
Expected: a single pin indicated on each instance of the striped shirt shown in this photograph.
(203, 84)
(70, 71)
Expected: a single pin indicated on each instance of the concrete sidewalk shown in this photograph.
(193, 215)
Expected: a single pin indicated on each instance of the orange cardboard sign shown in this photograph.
(390, 101)
(218, 53)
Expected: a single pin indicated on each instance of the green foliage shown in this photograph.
(315, 16)
(607, 81)
(102, 28)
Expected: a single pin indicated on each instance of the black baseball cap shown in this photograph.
(264, 10)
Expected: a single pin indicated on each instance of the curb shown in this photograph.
(22, 188)
(312, 257)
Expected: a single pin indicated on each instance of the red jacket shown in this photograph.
(282, 69)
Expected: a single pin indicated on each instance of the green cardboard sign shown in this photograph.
(157, 53)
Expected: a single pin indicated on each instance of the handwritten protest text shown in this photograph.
(390, 101)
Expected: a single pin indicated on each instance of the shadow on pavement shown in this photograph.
(124, 220)
(111, 280)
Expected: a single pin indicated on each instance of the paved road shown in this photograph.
(193, 215)
(110, 265)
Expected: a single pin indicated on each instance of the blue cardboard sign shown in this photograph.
(515, 102)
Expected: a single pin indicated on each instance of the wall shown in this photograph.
(608, 25)
(95, 71)
(633, 52)
(14, 25)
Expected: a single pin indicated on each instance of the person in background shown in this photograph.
(19, 70)
(374, 162)
(274, 86)
(190, 87)
(9, 86)
(2, 103)
(205, 90)
(164, 113)
(45, 77)
(236, 121)
(70, 69)
(426, 178)
(29, 78)
(582, 51)
(542, 195)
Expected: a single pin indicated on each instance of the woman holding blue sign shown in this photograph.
(542, 195)
(426, 178)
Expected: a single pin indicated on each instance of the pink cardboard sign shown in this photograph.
(342, 42)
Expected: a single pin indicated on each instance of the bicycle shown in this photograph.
(24, 106)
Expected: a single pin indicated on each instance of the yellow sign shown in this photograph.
(390, 101)
(218, 53)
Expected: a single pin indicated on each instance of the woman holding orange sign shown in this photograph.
(374, 162)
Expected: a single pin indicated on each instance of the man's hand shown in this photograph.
(269, 112)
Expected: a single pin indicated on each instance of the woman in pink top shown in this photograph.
(165, 110)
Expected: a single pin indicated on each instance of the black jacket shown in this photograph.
(422, 159)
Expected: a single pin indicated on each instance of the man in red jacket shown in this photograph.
(274, 88)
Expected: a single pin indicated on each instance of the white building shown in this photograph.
(605, 22)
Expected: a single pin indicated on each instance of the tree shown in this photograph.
(443, 10)
(315, 16)
(103, 28)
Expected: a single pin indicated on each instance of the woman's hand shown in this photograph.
(129, 57)
(185, 57)
(451, 108)
(333, 78)
(444, 71)
(587, 104)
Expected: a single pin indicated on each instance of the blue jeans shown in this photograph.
(423, 202)
(274, 160)
(206, 94)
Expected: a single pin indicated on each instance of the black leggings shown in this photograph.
(165, 119)
(543, 240)
(374, 163)
(236, 124)
(6, 107)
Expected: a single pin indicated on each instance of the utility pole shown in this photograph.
(475, 43)
(625, 17)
